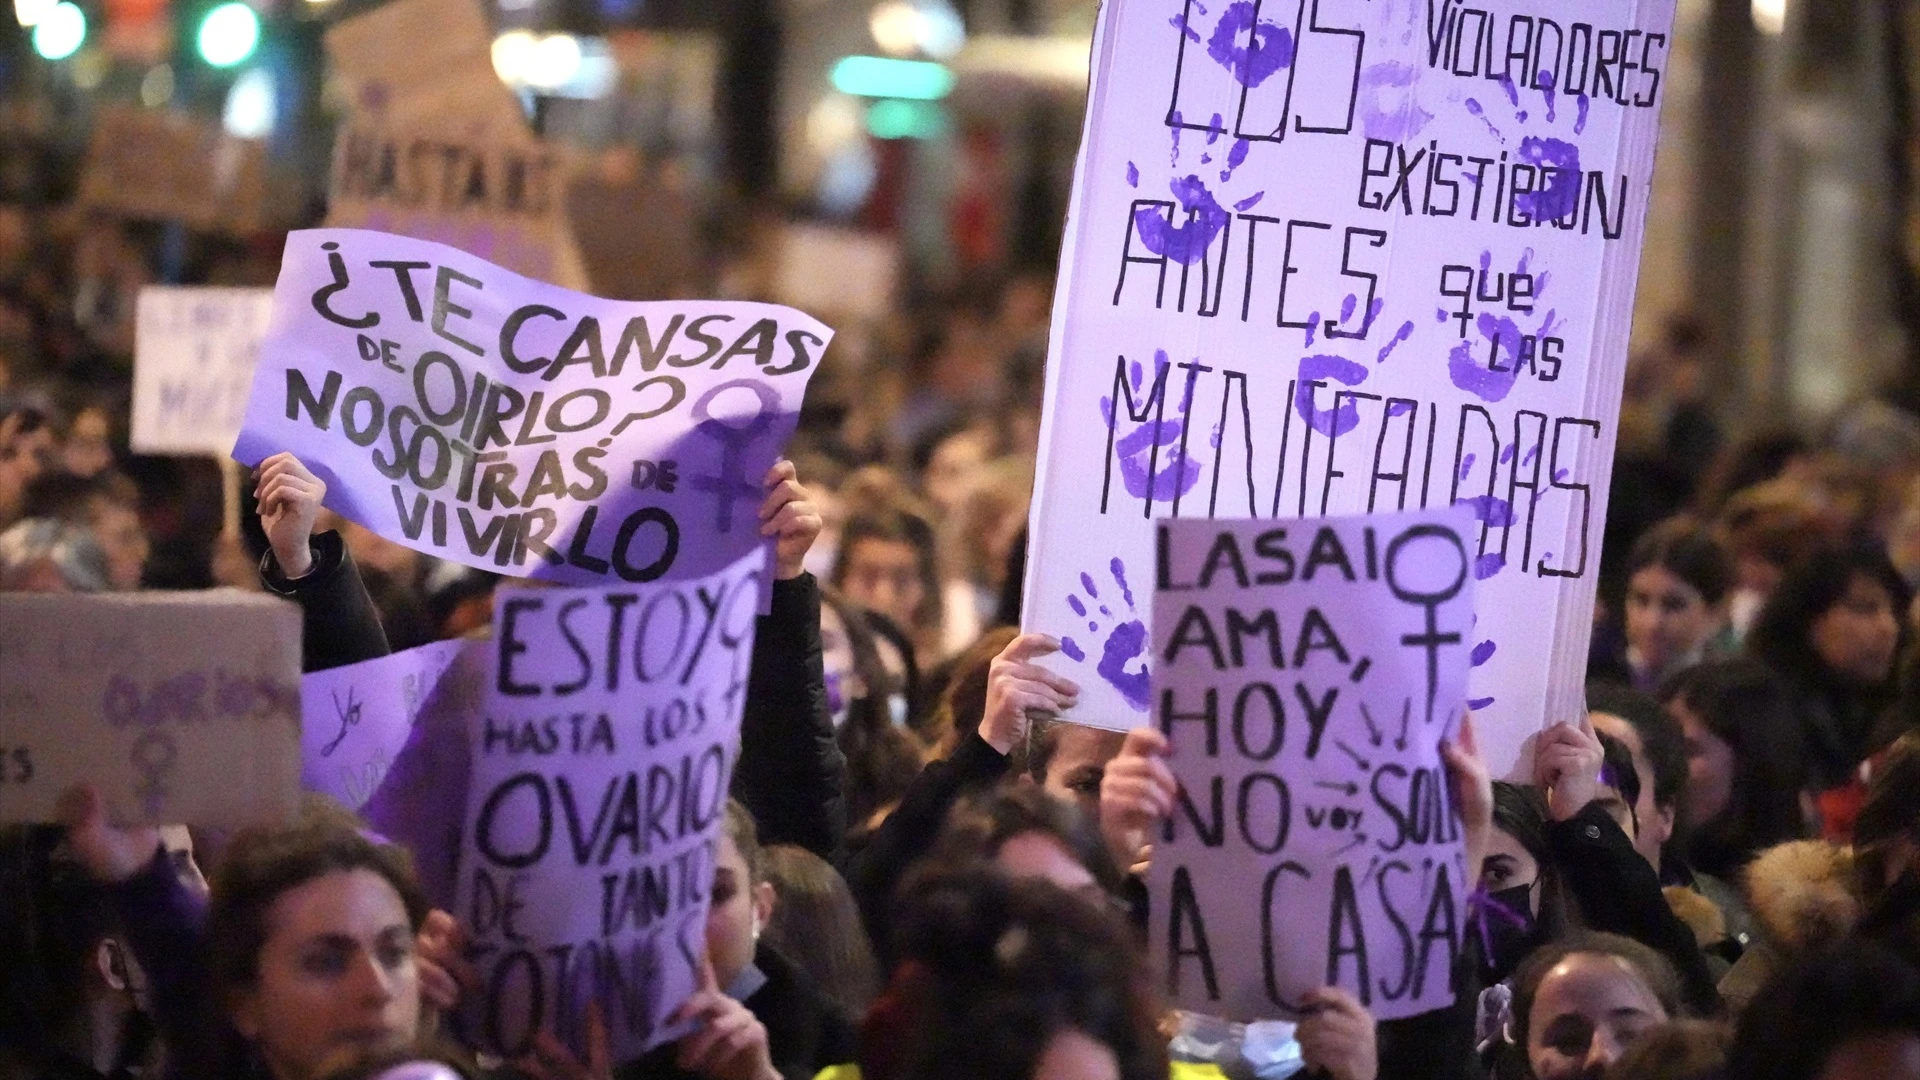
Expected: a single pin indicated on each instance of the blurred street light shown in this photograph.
(903, 27)
(1770, 16)
(29, 12)
(60, 32)
(882, 77)
(228, 35)
(252, 106)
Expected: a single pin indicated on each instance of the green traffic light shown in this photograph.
(229, 34)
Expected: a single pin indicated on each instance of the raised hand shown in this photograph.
(1337, 1036)
(110, 854)
(730, 1042)
(289, 496)
(1566, 762)
(789, 515)
(1136, 794)
(551, 1060)
(439, 952)
(1472, 794)
(1017, 688)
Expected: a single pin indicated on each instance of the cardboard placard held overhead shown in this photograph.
(473, 415)
(600, 776)
(1308, 672)
(422, 62)
(180, 707)
(1348, 257)
(166, 166)
(193, 357)
(485, 187)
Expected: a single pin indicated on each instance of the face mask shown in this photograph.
(1508, 931)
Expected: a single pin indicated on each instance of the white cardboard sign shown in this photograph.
(193, 355)
(1335, 257)
(181, 707)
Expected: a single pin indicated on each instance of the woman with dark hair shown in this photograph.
(1744, 771)
(1677, 581)
(1524, 903)
(1011, 978)
(816, 924)
(1849, 1013)
(1832, 631)
(1581, 1003)
(302, 963)
(882, 756)
(889, 564)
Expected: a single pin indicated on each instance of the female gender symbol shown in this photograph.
(1431, 601)
(153, 755)
(732, 483)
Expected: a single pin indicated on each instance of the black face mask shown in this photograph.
(1508, 931)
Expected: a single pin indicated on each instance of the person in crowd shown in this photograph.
(1655, 744)
(863, 697)
(72, 998)
(1851, 1012)
(87, 450)
(1808, 895)
(107, 505)
(804, 1030)
(339, 623)
(302, 960)
(1522, 902)
(975, 536)
(1710, 904)
(1579, 1004)
(1767, 529)
(1023, 831)
(889, 565)
(1832, 631)
(816, 924)
(1744, 772)
(44, 555)
(1677, 580)
(1010, 977)
(27, 447)
(1616, 890)
(978, 759)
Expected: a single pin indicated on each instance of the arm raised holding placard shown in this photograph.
(339, 624)
(1617, 889)
(791, 774)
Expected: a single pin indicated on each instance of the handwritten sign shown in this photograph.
(1340, 257)
(181, 707)
(600, 775)
(471, 414)
(169, 166)
(1306, 674)
(486, 187)
(356, 719)
(193, 357)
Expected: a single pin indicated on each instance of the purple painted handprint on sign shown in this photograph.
(1122, 662)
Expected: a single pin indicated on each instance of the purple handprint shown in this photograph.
(1123, 651)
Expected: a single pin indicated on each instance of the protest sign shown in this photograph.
(487, 188)
(180, 707)
(356, 719)
(422, 63)
(600, 775)
(156, 164)
(471, 414)
(193, 356)
(1345, 257)
(1306, 674)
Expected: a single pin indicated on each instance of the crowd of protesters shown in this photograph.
(923, 873)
